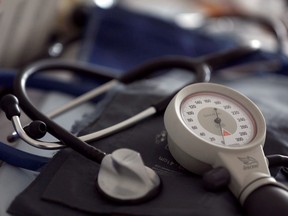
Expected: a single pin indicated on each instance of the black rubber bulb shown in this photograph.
(10, 105)
(36, 129)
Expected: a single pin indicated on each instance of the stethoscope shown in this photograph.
(123, 176)
(37, 129)
(201, 67)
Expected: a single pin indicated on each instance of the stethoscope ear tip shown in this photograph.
(36, 129)
(10, 106)
(124, 178)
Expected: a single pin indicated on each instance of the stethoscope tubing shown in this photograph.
(55, 129)
(198, 66)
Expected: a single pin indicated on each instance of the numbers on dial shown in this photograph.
(218, 119)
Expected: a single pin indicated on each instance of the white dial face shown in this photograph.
(218, 119)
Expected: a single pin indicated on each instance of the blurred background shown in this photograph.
(121, 34)
(37, 29)
(118, 35)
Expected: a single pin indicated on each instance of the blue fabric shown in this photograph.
(47, 83)
(21, 159)
(121, 39)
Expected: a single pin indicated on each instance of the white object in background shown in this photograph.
(25, 27)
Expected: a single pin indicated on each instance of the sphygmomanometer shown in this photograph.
(211, 128)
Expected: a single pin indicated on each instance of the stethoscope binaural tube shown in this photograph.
(201, 67)
(134, 74)
(62, 134)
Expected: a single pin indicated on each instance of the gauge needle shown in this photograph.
(218, 121)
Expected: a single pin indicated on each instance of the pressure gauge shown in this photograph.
(210, 125)
(218, 119)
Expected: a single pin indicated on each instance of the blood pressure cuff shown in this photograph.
(67, 186)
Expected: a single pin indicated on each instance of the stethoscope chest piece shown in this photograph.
(124, 178)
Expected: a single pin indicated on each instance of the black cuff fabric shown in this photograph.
(68, 185)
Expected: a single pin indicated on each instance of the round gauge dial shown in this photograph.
(218, 119)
